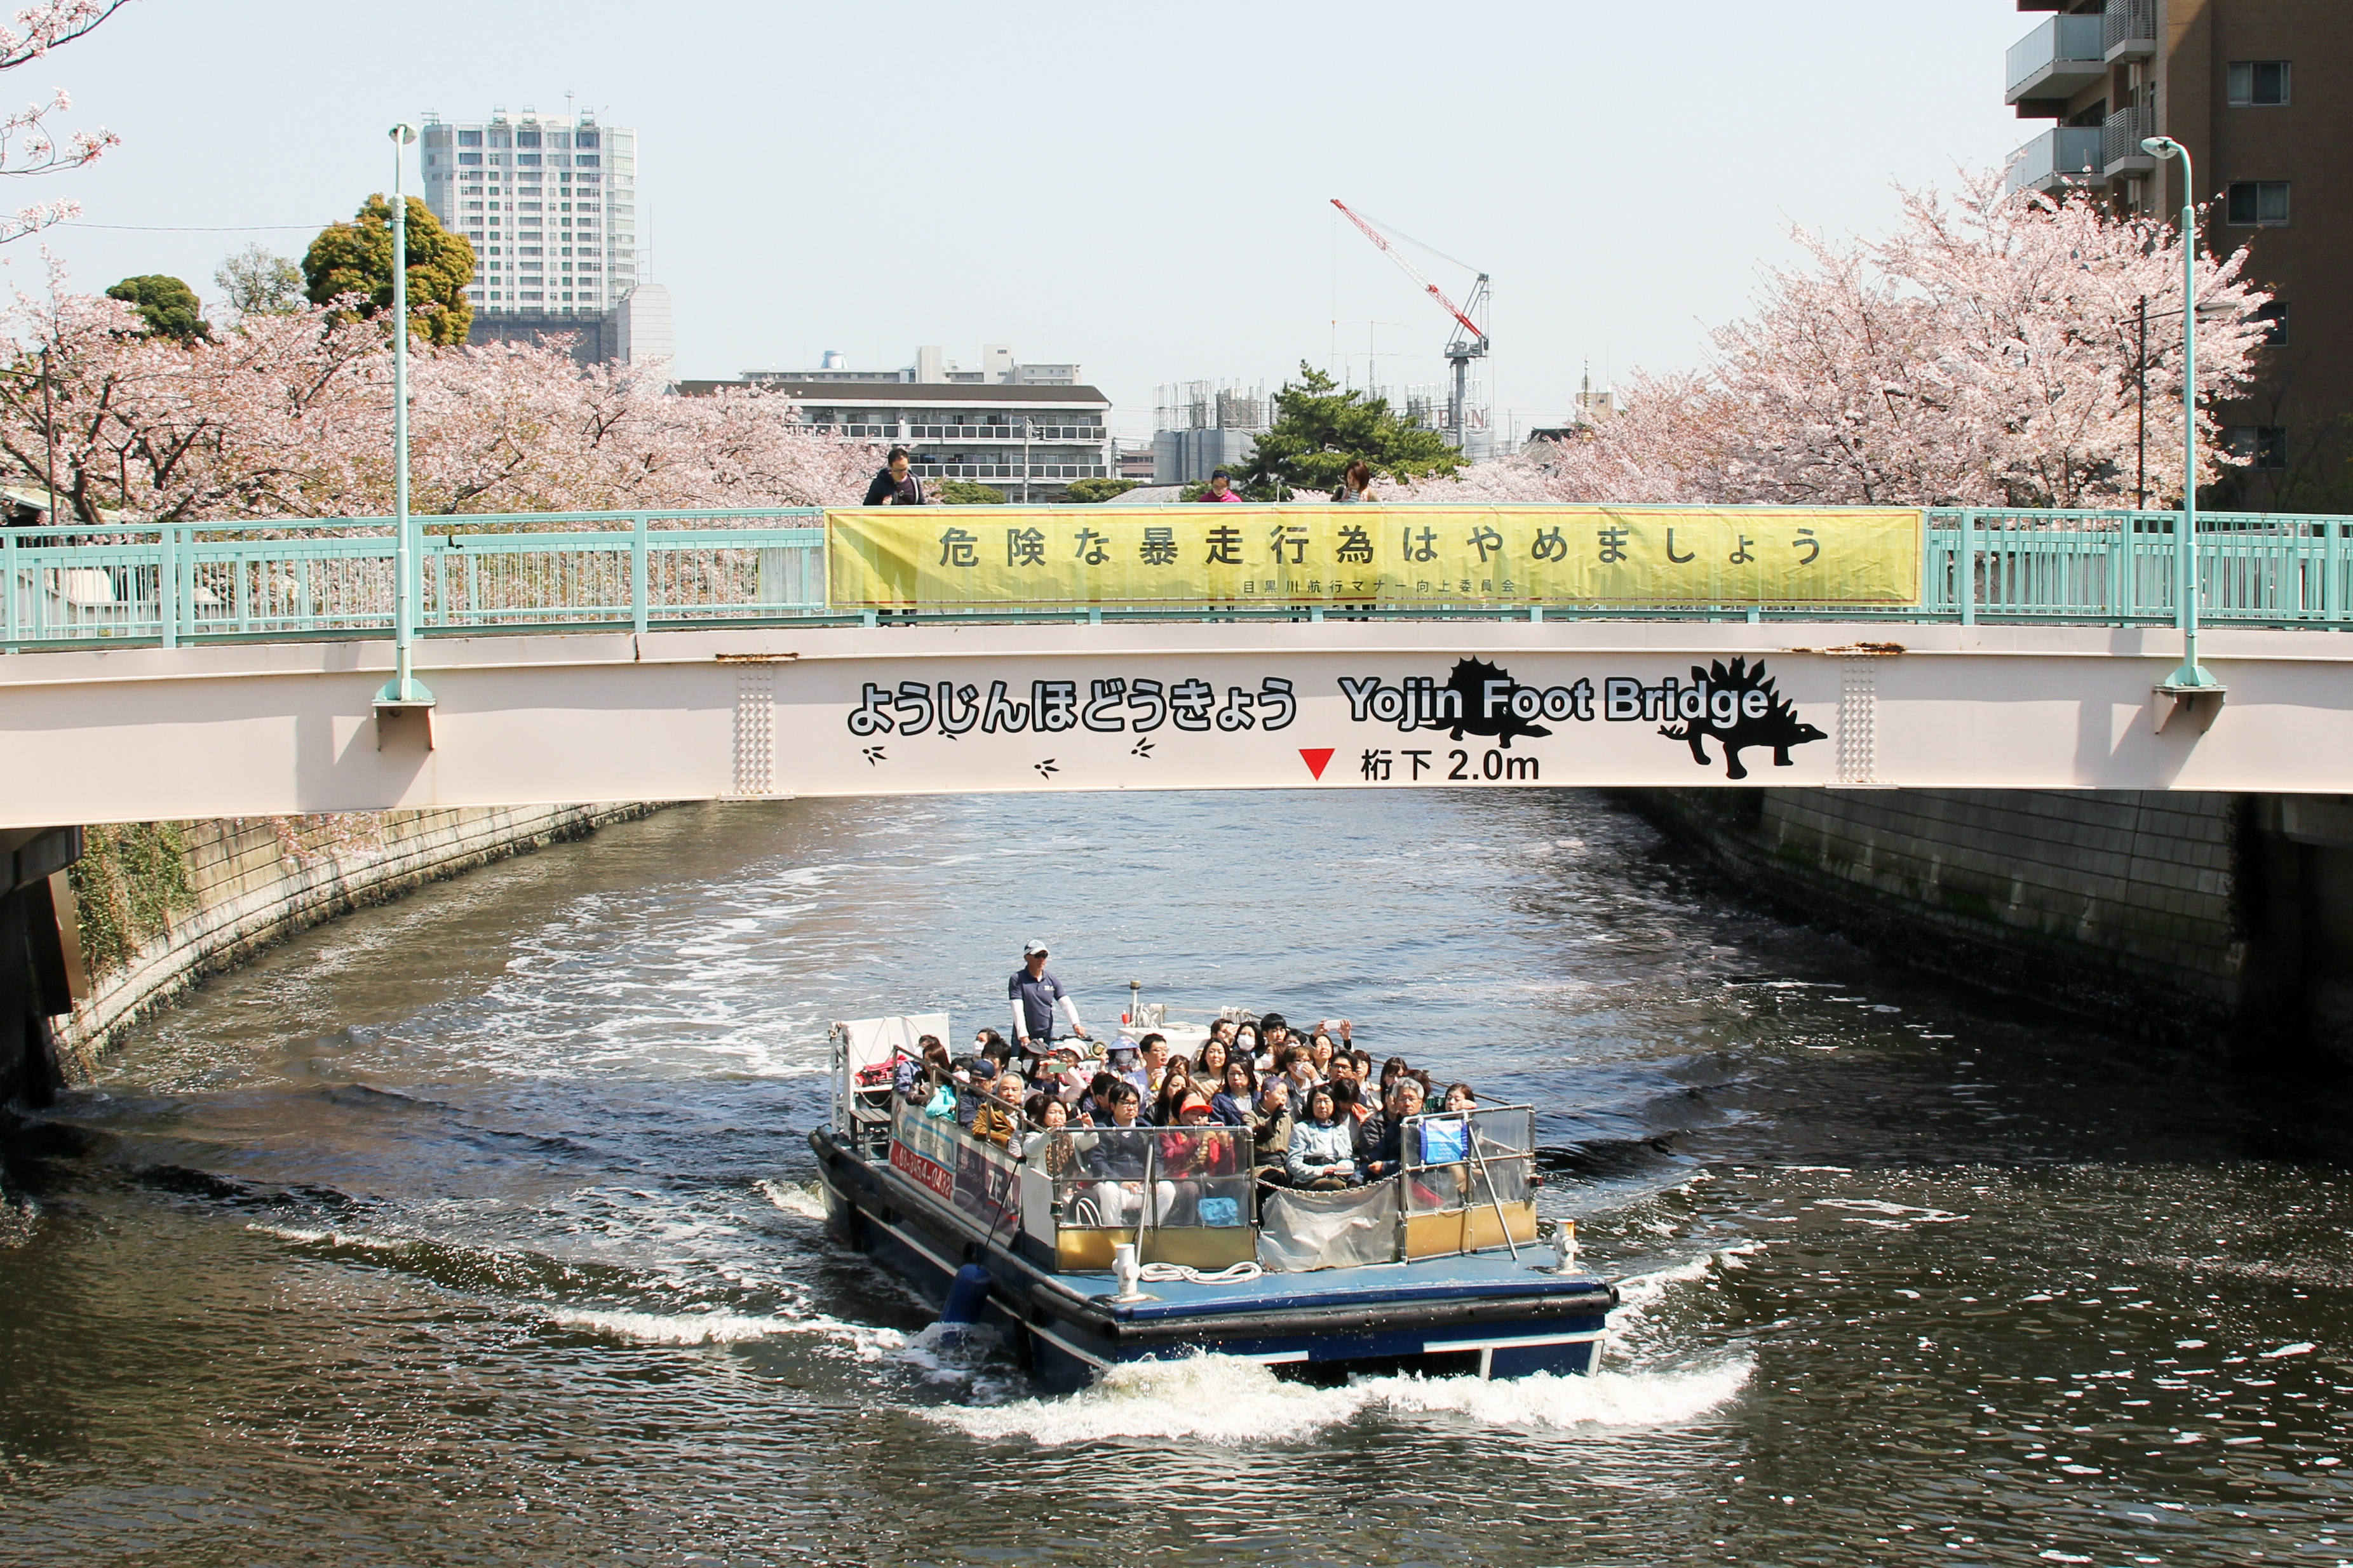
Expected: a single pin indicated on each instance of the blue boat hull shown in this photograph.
(1482, 1314)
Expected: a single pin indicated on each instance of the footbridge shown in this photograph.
(215, 670)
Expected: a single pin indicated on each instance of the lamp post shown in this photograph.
(403, 689)
(2192, 677)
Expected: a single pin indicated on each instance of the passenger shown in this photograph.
(1095, 1105)
(908, 1071)
(1269, 1126)
(1391, 1071)
(1174, 1085)
(1127, 1064)
(1213, 1060)
(1304, 1076)
(1245, 1042)
(1273, 1033)
(1156, 1063)
(1232, 1103)
(1320, 1052)
(991, 1117)
(1363, 1121)
(1117, 1161)
(1189, 1156)
(1223, 1030)
(1050, 1147)
(1323, 1153)
(1363, 1060)
(987, 1037)
(1461, 1097)
(1389, 1154)
(1063, 1077)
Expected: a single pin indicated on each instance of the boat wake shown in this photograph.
(1224, 1401)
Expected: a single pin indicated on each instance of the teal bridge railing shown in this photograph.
(176, 583)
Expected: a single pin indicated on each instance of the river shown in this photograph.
(479, 1228)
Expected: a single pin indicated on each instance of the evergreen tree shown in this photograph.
(1320, 429)
(355, 257)
(169, 306)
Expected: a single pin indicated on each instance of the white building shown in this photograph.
(549, 202)
(647, 333)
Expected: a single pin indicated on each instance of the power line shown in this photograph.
(175, 228)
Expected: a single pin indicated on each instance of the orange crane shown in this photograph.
(1470, 340)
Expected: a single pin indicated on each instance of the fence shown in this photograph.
(183, 582)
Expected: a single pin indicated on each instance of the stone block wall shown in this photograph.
(256, 881)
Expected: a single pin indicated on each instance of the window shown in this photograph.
(526, 138)
(470, 138)
(589, 162)
(2258, 83)
(527, 160)
(2262, 202)
(2274, 316)
(2263, 447)
(472, 158)
(584, 139)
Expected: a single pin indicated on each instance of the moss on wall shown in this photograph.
(131, 879)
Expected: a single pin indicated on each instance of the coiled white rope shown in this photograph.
(1170, 1273)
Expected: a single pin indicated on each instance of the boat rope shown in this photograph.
(1169, 1273)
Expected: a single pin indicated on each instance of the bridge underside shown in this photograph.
(285, 727)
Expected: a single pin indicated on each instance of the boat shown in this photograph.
(1082, 1248)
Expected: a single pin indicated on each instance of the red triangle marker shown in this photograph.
(1316, 758)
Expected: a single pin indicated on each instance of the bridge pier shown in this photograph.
(2205, 918)
(40, 959)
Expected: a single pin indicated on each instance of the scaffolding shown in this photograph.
(1213, 406)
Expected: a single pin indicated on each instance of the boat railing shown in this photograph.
(1182, 1195)
(1465, 1184)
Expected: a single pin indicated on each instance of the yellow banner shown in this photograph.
(943, 556)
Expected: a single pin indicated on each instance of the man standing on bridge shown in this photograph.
(1033, 993)
(895, 486)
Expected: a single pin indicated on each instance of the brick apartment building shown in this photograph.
(2257, 91)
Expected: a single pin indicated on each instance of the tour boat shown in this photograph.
(1086, 1247)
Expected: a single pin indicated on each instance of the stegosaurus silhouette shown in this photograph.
(1469, 677)
(1778, 727)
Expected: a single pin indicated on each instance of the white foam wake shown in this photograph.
(1227, 1402)
(868, 1342)
(794, 1200)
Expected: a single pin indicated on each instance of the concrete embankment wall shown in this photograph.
(2202, 919)
(243, 884)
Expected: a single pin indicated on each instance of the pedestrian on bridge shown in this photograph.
(895, 485)
(1034, 994)
(1221, 488)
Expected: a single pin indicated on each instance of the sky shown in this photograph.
(1145, 191)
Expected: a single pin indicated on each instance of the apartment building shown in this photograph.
(1027, 441)
(549, 202)
(2256, 90)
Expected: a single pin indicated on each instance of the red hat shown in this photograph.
(1191, 1103)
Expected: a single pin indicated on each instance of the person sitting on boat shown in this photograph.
(1301, 1073)
(1116, 1158)
(1060, 1075)
(1093, 1107)
(1461, 1097)
(1362, 1121)
(1273, 1034)
(1051, 1146)
(1152, 1065)
(1323, 1153)
(908, 1071)
(1191, 1154)
(1034, 995)
(1174, 1085)
(1269, 1126)
(1209, 1065)
(1232, 1103)
(990, 1118)
(1245, 1043)
(1389, 1154)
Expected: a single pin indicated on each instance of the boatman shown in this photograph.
(1033, 993)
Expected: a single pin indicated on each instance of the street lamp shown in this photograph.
(404, 690)
(2192, 677)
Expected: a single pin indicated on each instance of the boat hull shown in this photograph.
(1483, 1315)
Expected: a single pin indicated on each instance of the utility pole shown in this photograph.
(2192, 677)
(50, 427)
(2140, 481)
(404, 690)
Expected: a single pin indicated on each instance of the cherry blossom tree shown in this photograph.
(27, 145)
(288, 416)
(1985, 353)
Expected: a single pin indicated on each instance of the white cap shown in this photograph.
(1032, 949)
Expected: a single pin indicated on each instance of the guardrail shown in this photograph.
(183, 582)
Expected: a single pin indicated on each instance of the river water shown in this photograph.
(479, 1228)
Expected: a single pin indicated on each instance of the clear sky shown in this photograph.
(1143, 190)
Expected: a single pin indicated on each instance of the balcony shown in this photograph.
(2128, 30)
(2057, 60)
(2063, 155)
(2120, 139)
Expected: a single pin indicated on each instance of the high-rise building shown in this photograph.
(549, 202)
(2255, 90)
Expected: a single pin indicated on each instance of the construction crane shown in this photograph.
(1470, 339)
